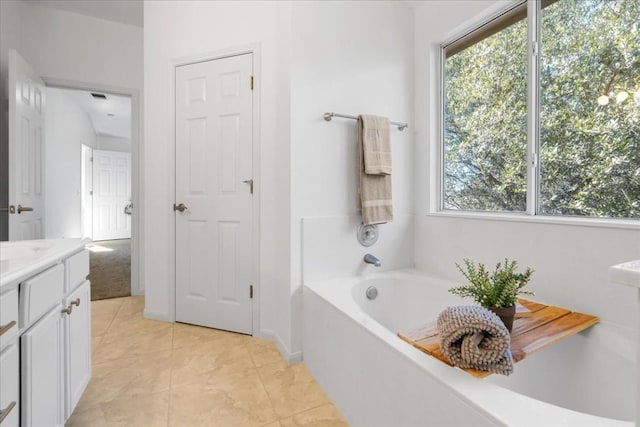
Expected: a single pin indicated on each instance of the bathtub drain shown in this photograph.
(372, 292)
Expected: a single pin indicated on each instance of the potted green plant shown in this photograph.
(498, 290)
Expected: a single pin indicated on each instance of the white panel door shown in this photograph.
(111, 193)
(26, 150)
(214, 151)
(86, 191)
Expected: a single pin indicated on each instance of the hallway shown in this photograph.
(110, 262)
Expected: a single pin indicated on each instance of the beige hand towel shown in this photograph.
(375, 190)
(376, 145)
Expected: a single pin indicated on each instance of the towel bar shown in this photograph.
(329, 116)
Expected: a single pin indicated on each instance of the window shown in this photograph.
(579, 90)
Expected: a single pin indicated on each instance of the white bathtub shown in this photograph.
(376, 379)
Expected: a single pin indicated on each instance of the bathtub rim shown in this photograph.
(486, 397)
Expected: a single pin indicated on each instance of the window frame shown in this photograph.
(492, 24)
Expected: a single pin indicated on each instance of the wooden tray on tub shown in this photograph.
(535, 327)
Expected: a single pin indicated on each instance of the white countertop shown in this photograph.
(627, 273)
(23, 258)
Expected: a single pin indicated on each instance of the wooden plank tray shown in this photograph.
(535, 327)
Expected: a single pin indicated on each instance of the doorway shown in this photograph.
(54, 172)
(214, 193)
(106, 213)
(88, 157)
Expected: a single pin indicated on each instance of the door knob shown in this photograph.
(24, 209)
(250, 182)
(11, 209)
(181, 207)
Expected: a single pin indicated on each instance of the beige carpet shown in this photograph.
(110, 269)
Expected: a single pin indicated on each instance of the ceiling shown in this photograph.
(124, 11)
(98, 110)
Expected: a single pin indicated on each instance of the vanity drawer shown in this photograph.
(8, 317)
(10, 387)
(40, 293)
(77, 270)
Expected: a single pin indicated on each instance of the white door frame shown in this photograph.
(86, 191)
(253, 48)
(137, 150)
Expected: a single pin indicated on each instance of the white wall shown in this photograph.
(67, 127)
(315, 57)
(570, 261)
(342, 57)
(347, 58)
(113, 143)
(175, 30)
(69, 46)
(87, 53)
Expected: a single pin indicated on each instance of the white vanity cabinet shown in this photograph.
(45, 359)
(77, 333)
(41, 371)
(9, 359)
(10, 386)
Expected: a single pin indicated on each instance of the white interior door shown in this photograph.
(86, 191)
(111, 194)
(26, 150)
(214, 150)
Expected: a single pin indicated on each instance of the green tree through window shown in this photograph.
(590, 151)
(589, 114)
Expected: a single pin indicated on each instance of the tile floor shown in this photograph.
(148, 373)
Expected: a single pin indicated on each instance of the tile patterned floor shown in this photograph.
(148, 373)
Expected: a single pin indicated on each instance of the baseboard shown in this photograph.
(290, 358)
(157, 316)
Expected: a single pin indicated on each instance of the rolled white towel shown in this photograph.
(474, 337)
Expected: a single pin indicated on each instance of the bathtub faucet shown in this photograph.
(372, 259)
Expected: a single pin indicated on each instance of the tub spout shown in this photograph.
(372, 259)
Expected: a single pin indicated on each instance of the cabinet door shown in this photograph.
(77, 346)
(41, 354)
(10, 387)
